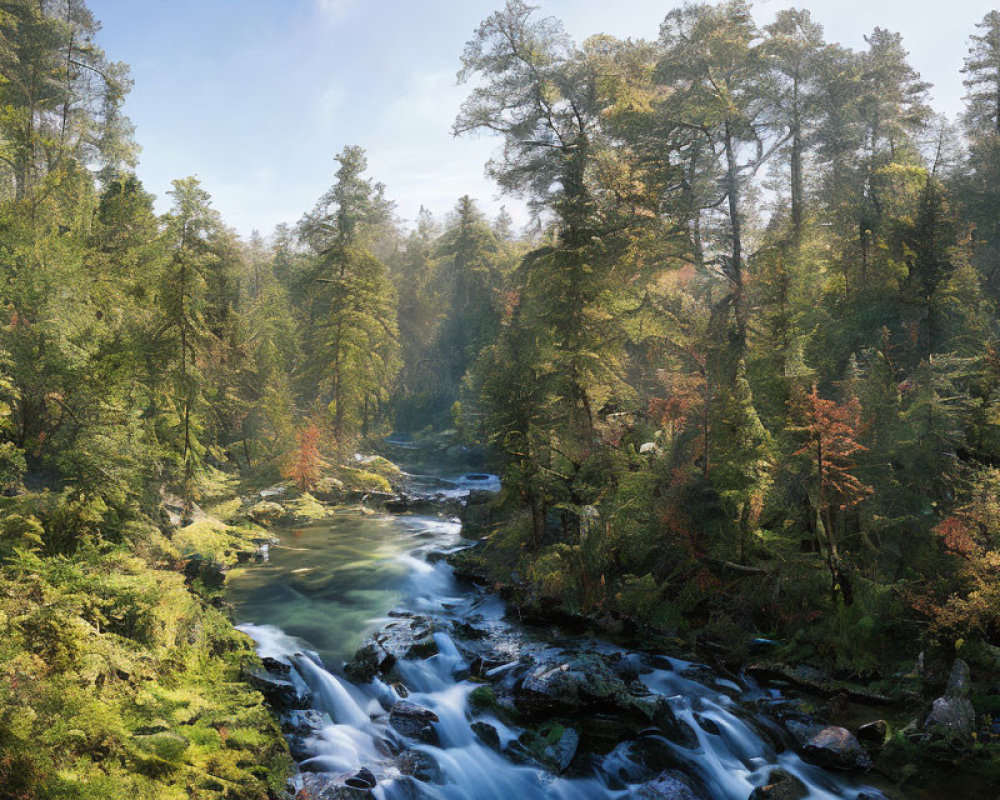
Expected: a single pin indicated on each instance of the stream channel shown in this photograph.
(453, 698)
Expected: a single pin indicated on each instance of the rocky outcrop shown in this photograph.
(952, 717)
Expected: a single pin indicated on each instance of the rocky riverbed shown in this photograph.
(395, 678)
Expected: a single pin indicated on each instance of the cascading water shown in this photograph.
(416, 733)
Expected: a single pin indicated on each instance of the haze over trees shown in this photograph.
(743, 375)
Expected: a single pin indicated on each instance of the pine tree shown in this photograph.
(353, 340)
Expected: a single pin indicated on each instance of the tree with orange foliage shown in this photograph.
(831, 431)
(968, 604)
(306, 462)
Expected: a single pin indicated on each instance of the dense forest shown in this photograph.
(741, 374)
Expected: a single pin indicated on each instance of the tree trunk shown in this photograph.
(798, 191)
(736, 253)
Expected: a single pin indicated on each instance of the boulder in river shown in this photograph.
(669, 785)
(304, 722)
(420, 765)
(487, 734)
(837, 748)
(570, 683)
(404, 637)
(560, 753)
(414, 721)
(780, 785)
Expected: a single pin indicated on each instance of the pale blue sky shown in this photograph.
(255, 97)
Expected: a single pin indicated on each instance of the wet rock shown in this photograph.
(418, 764)
(406, 637)
(611, 624)
(780, 786)
(298, 747)
(304, 722)
(276, 666)
(364, 778)
(654, 752)
(670, 785)
(602, 733)
(571, 683)
(627, 666)
(414, 721)
(487, 734)
(802, 730)
(837, 748)
(521, 753)
(874, 733)
(560, 754)
(320, 786)
(280, 693)
(658, 710)
(467, 631)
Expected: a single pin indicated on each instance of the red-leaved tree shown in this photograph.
(831, 430)
(305, 464)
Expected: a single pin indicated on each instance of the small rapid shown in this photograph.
(422, 729)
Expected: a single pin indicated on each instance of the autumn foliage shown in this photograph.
(831, 443)
(306, 462)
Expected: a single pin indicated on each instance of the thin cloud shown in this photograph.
(334, 11)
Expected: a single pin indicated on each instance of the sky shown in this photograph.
(256, 97)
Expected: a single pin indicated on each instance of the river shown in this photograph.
(326, 587)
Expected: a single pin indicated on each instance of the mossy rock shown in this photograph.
(364, 482)
(304, 509)
(482, 698)
(382, 466)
